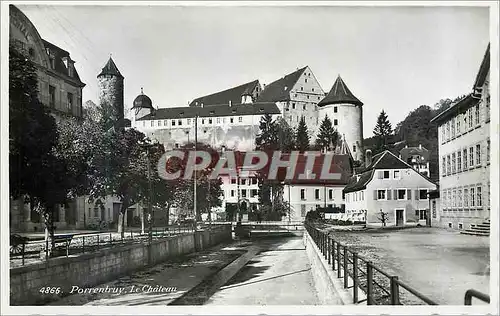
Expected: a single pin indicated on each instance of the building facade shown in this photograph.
(388, 185)
(417, 157)
(60, 90)
(464, 155)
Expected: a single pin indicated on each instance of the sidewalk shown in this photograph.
(172, 279)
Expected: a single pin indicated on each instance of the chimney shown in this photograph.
(69, 65)
(230, 103)
(368, 157)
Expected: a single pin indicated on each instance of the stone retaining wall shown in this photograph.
(91, 269)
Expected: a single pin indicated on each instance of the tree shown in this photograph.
(267, 137)
(285, 135)
(302, 136)
(37, 173)
(383, 217)
(328, 136)
(382, 132)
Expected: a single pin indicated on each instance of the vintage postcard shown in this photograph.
(249, 157)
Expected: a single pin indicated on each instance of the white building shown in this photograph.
(417, 157)
(464, 155)
(390, 185)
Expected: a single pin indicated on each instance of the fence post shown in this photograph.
(333, 254)
(394, 290)
(355, 276)
(346, 269)
(369, 283)
(83, 244)
(22, 251)
(329, 250)
(97, 242)
(339, 273)
(110, 240)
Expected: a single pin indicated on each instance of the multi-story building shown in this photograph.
(388, 185)
(60, 90)
(417, 157)
(464, 155)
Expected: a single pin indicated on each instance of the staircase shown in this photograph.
(482, 229)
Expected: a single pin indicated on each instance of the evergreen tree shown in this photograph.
(267, 138)
(382, 131)
(328, 136)
(302, 136)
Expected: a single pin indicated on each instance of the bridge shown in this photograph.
(260, 229)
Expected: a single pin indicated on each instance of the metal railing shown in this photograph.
(358, 273)
(70, 244)
(474, 293)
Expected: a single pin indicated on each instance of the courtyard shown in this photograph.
(441, 264)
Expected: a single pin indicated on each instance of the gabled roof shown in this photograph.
(458, 107)
(223, 97)
(483, 69)
(279, 90)
(383, 160)
(110, 69)
(407, 152)
(213, 111)
(340, 93)
(60, 68)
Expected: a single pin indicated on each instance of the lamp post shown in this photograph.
(150, 199)
(195, 182)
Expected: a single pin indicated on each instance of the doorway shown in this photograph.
(400, 220)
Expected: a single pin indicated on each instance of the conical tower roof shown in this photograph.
(340, 94)
(110, 69)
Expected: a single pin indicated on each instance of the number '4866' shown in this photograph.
(50, 290)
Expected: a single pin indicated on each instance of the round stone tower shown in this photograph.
(346, 113)
(110, 82)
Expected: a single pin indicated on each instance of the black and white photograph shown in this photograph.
(249, 157)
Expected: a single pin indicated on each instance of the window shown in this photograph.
(302, 194)
(353, 148)
(478, 155)
(444, 166)
(397, 175)
(232, 193)
(52, 96)
(471, 120)
(401, 194)
(478, 117)
(335, 122)
(460, 226)
(422, 194)
(301, 88)
(316, 194)
(330, 194)
(303, 210)
(465, 159)
(223, 120)
(159, 123)
(306, 80)
(308, 96)
(452, 128)
(450, 201)
(448, 130)
(448, 165)
(244, 193)
(479, 200)
(459, 161)
(52, 62)
(466, 197)
(173, 122)
(471, 157)
(454, 198)
(70, 100)
(152, 123)
(458, 126)
(240, 119)
(386, 174)
(165, 122)
(472, 197)
(209, 121)
(179, 122)
(243, 181)
(233, 181)
(293, 106)
(231, 120)
(254, 180)
(487, 109)
(453, 163)
(465, 121)
(253, 193)
(443, 133)
(144, 123)
(189, 121)
(335, 109)
(381, 194)
(488, 151)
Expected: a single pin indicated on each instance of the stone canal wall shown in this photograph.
(91, 269)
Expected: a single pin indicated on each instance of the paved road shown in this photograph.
(439, 263)
(279, 275)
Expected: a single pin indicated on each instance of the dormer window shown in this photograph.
(181, 114)
(261, 110)
(233, 111)
(212, 112)
(285, 88)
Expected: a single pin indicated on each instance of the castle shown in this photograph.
(230, 118)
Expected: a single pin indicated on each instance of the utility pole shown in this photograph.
(195, 182)
(150, 200)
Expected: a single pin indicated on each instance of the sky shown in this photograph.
(391, 58)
